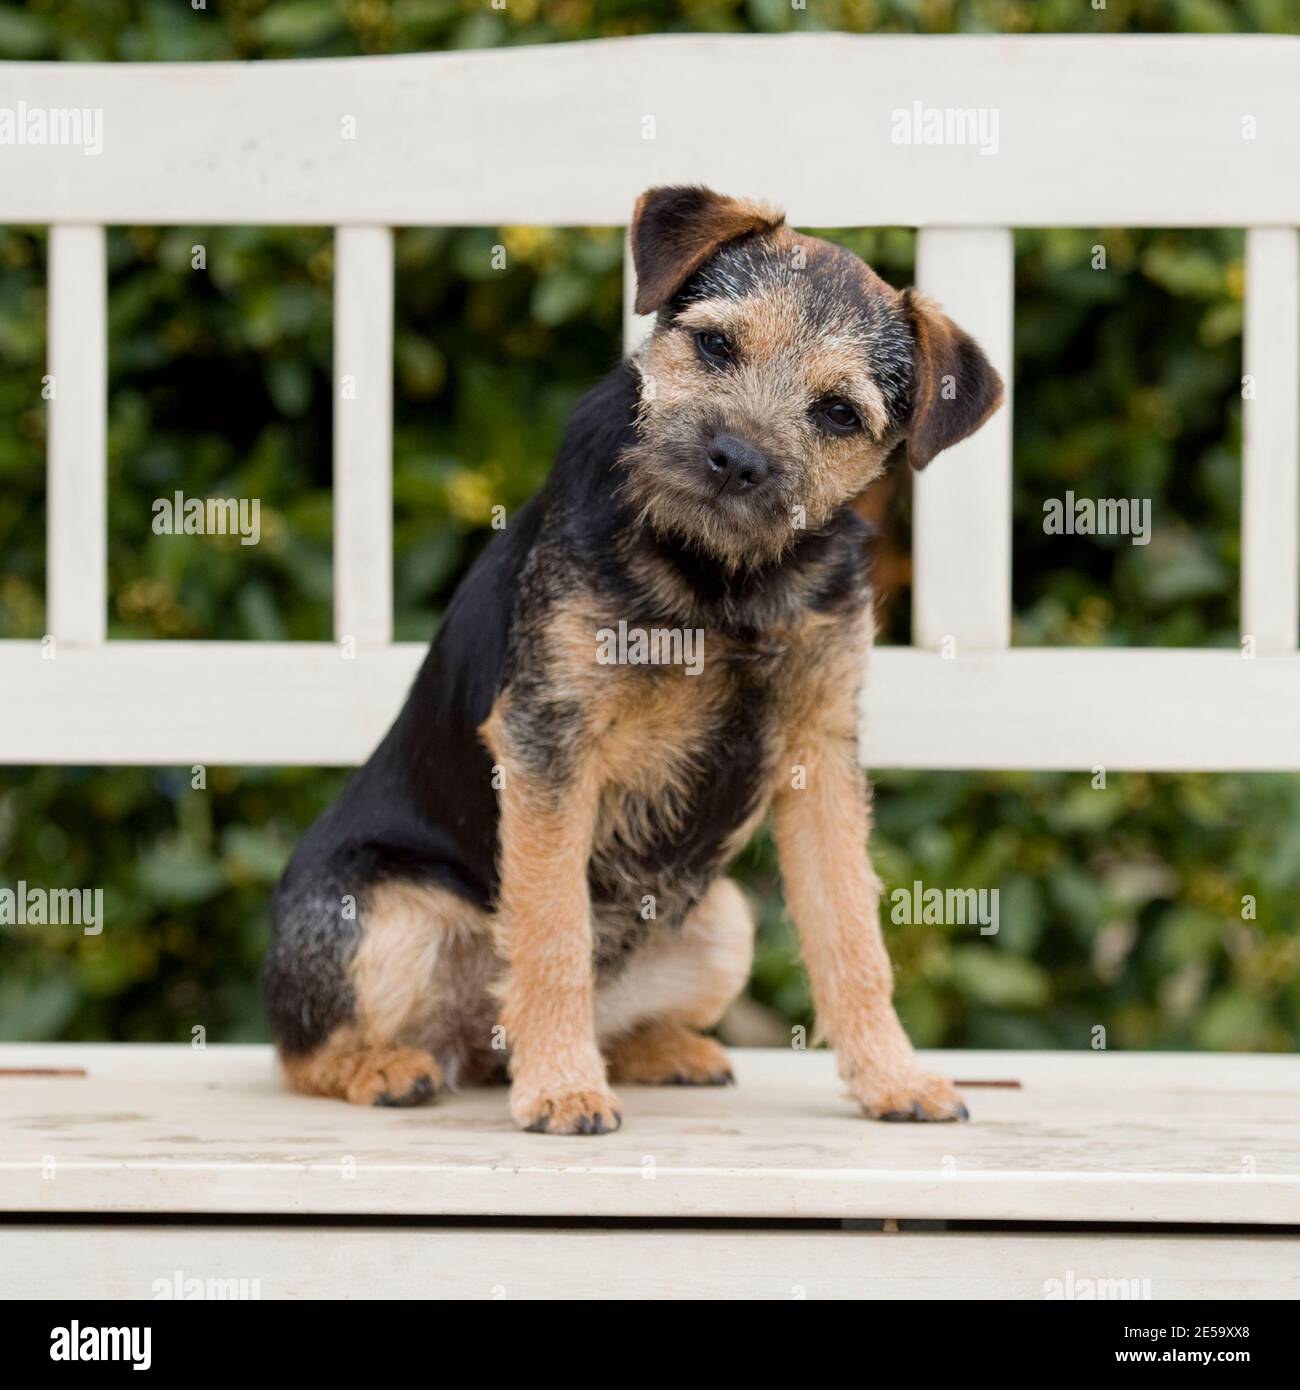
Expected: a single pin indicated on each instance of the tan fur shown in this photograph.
(769, 326)
(783, 367)
(349, 1067)
(644, 730)
(396, 961)
(833, 892)
(415, 987)
(545, 927)
(421, 982)
(669, 1054)
(423, 975)
(648, 727)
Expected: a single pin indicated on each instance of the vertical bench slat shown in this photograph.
(1270, 484)
(961, 541)
(363, 434)
(636, 327)
(77, 508)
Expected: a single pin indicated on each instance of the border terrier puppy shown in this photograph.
(529, 871)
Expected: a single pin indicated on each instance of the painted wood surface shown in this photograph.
(292, 703)
(340, 1262)
(961, 503)
(1270, 485)
(1088, 1136)
(1097, 131)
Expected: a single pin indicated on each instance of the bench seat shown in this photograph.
(774, 1187)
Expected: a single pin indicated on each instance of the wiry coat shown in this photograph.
(424, 808)
(530, 864)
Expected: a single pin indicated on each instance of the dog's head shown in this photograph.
(780, 374)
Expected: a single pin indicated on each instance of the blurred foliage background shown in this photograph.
(1166, 909)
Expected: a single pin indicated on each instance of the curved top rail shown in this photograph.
(1044, 130)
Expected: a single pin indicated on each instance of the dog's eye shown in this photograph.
(836, 417)
(715, 348)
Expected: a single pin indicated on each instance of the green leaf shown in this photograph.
(299, 23)
(992, 976)
(176, 872)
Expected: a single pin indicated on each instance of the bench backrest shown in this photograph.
(1037, 131)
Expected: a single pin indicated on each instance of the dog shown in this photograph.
(526, 881)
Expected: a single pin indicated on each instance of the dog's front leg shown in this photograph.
(834, 896)
(558, 1074)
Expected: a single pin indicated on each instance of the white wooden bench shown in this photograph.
(1093, 132)
(776, 1188)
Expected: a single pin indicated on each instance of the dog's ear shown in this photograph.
(954, 387)
(675, 230)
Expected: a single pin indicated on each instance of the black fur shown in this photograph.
(423, 808)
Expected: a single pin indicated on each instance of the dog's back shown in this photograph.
(422, 811)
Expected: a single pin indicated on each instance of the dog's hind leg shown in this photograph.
(649, 1014)
(366, 1029)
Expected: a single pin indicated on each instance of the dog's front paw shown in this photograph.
(916, 1096)
(576, 1111)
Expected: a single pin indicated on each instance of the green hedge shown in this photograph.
(1120, 908)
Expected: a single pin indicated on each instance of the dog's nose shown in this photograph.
(734, 460)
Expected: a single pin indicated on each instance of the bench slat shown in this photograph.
(1089, 1137)
(363, 435)
(961, 503)
(1270, 484)
(290, 704)
(141, 1261)
(77, 514)
(636, 327)
(1104, 130)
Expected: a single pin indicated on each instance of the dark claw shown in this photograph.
(540, 1125)
(595, 1124)
(421, 1090)
(918, 1111)
(963, 1113)
(718, 1078)
(898, 1115)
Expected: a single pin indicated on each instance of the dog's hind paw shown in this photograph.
(669, 1054)
(394, 1076)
